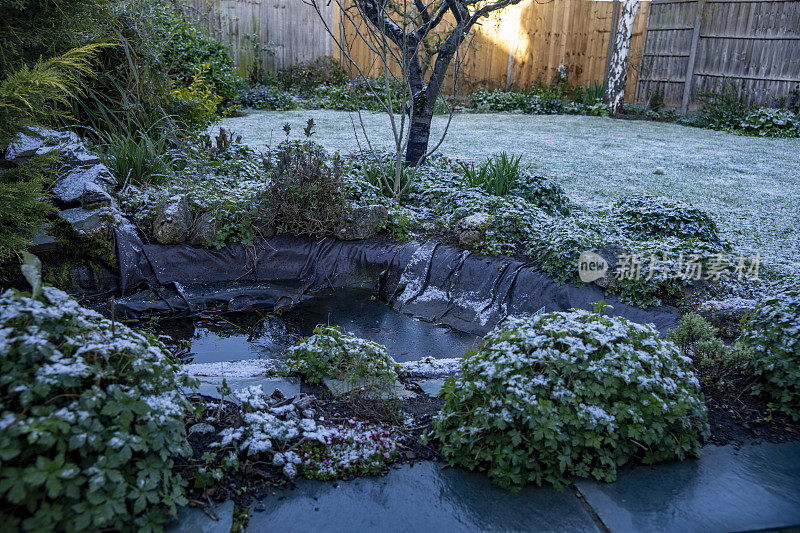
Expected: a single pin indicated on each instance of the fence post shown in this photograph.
(687, 87)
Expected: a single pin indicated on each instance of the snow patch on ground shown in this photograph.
(247, 368)
(428, 367)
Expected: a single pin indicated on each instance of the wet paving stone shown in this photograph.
(419, 498)
(195, 520)
(755, 487)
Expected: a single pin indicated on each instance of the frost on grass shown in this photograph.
(750, 186)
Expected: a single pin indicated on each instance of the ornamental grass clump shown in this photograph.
(91, 420)
(330, 352)
(773, 332)
(569, 394)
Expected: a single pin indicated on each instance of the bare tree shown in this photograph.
(618, 66)
(399, 32)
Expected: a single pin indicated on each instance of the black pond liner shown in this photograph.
(468, 291)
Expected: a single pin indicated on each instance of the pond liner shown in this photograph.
(468, 291)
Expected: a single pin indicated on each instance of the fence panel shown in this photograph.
(754, 44)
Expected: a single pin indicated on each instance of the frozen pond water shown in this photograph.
(235, 337)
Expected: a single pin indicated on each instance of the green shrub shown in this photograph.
(770, 122)
(697, 339)
(722, 109)
(594, 92)
(268, 98)
(186, 48)
(558, 395)
(23, 205)
(650, 217)
(198, 100)
(330, 352)
(773, 333)
(306, 189)
(92, 420)
(306, 77)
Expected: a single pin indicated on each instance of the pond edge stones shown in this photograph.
(362, 222)
(172, 223)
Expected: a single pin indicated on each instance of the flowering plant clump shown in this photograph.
(569, 394)
(91, 420)
(286, 433)
(773, 332)
(330, 352)
(351, 448)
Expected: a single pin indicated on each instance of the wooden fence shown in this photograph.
(521, 44)
(280, 33)
(679, 47)
(692, 46)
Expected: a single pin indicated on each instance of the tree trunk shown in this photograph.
(418, 136)
(618, 70)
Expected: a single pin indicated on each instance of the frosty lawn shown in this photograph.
(749, 185)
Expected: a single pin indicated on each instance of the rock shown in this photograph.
(241, 303)
(90, 187)
(85, 181)
(43, 243)
(659, 171)
(362, 222)
(472, 229)
(83, 221)
(204, 231)
(172, 222)
(611, 254)
(726, 315)
(201, 429)
(283, 305)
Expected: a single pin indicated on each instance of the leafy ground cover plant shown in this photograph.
(266, 97)
(330, 352)
(575, 394)
(772, 331)
(91, 423)
(651, 217)
(771, 122)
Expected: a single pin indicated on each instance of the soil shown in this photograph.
(738, 416)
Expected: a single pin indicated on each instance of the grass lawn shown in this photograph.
(750, 185)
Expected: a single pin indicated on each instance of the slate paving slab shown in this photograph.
(418, 498)
(195, 520)
(756, 487)
(431, 387)
(288, 386)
